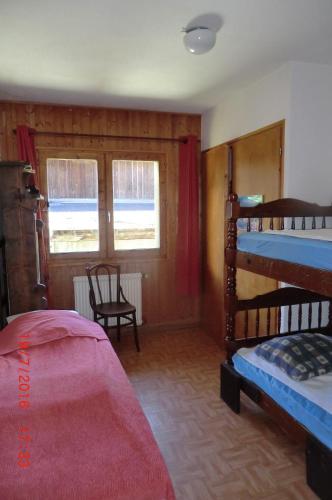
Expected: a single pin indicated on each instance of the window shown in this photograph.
(72, 189)
(135, 204)
(106, 203)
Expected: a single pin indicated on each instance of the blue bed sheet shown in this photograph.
(316, 419)
(309, 252)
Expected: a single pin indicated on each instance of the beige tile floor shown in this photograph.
(211, 453)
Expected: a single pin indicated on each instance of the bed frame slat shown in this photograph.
(289, 319)
(257, 322)
(268, 321)
(246, 323)
(300, 317)
(319, 314)
(310, 315)
(279, 319)
(260, 224)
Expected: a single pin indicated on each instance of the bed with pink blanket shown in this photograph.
(70, 424)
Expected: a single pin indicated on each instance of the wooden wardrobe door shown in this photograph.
(214, 194)
(257, 169)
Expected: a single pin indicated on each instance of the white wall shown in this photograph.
(308, 170)
(300, 93)
(248, 109)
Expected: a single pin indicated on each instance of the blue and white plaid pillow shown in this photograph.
(301, 356)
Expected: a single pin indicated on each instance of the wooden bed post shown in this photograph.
(329, 324)
(230, 291)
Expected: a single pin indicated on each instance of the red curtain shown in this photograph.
(187, 251)
(27, 152)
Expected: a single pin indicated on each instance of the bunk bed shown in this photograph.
(287, 240)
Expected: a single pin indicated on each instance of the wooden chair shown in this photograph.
(109, 306)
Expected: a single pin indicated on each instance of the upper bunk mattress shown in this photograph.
(309, 402)
(309, 248)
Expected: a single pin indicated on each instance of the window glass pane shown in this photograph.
(135, 204)
(73, 205)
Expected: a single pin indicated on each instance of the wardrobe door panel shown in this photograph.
(214, 193)
(257, 169)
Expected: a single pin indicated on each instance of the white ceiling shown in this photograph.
(130, 53)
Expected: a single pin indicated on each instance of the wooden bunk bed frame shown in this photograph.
(306, 277)
(315, 287)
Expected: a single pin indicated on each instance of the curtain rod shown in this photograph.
(109, 136)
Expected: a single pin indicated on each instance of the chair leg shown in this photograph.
(136, 333)
(118, 328)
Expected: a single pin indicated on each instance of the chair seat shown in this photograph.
(114, 308)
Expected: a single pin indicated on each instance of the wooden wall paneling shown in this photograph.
(161, 305)
(214, 193)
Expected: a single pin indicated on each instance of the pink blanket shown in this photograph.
(72, 428)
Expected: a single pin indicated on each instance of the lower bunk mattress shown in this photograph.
(70, 424)
(309, 402)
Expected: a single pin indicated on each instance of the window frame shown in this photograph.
(74, 155)
(105, 203)
(138, 252)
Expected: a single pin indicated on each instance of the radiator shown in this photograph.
(131, 286)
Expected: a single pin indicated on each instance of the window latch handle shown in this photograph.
(109, 216)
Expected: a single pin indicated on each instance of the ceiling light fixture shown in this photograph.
(199, 40)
